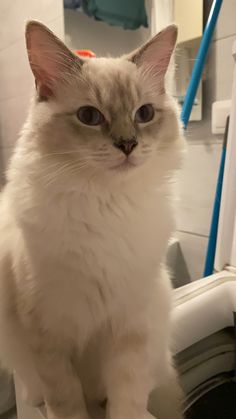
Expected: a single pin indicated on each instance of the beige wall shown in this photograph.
(188, 15)
(16, 80)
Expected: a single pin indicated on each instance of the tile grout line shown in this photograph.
(225, 37)
(193, 234)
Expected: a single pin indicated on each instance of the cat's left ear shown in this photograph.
(52, 63)
(155, 55)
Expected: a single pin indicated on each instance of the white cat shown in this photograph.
(85, 220)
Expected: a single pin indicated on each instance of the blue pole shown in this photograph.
(200, 61)
(185, 115)
(211, 248)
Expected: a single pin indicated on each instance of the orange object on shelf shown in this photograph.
(85, 53)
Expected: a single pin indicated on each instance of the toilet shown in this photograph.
(204, 316)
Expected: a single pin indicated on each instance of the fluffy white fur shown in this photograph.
(85, 299)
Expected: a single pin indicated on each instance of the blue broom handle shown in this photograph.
(200, 61)
(185, 115)
(211, 247)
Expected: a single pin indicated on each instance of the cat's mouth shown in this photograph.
(124, 165)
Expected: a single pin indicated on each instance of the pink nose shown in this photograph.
(126, 146)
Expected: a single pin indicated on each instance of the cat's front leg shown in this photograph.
(61, 386)
(166, 401)
(127, 377)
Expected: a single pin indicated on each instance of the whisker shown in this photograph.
(51, 174)
(54, 175)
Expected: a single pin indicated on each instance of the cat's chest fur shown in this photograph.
(85, 230)
(96, 254)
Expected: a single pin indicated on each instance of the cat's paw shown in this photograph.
(33, 398)
(145, 415)
(96, 411)
(149, 416)
(52, 415)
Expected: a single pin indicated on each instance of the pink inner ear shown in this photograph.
(49, 58)
(157, 55)
(43, 90)
(43, 61)
(154, 57)
(43, 82)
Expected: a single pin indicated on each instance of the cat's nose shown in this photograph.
(126, 146)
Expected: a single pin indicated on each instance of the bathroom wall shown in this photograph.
(16, 81)
(198, 179)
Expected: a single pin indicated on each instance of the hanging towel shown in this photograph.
(130, 14)
(73, 4)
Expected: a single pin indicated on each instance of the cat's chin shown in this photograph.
(125, 165)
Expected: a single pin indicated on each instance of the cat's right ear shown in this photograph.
(52, 63)
(154, 57)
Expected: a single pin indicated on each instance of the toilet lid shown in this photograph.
(226, 239)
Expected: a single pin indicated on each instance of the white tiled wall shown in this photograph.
(220, 69)
(222, 62)
(197, 185)
(199, 176)
(226, 22)
(16, 80)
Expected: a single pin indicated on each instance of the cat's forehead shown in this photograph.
(111, 68)
(113, 79)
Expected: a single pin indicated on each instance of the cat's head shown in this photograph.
(102, 116)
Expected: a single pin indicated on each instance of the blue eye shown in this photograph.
(89, 115)
(144, 114)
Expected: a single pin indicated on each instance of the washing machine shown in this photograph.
(205, 311)
(204, 317)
